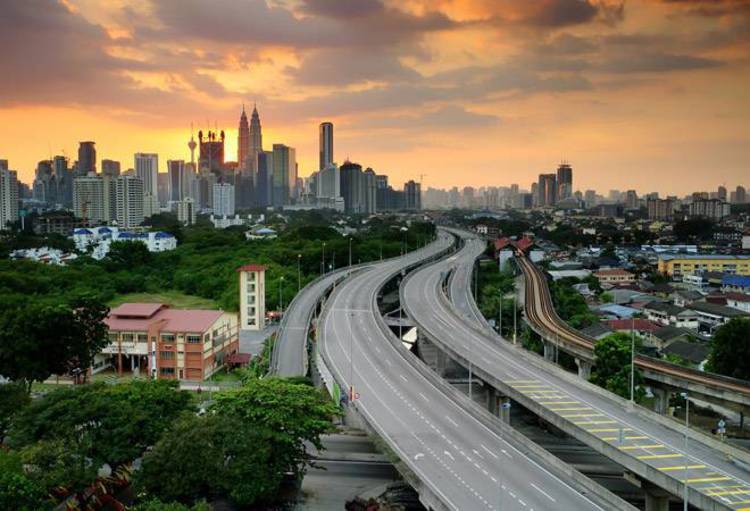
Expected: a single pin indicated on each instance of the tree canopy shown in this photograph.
(612, 365)
(729, 348)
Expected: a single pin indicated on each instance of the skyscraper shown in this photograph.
(352, 187)
(177, 180)
(223, 199)
(547, 190)
(147, 168)
(111, 168)
(129, 201)
(264, 179)
(256, 138)
(326, 145)
(284, 174)
(244, 162)
(413, 195)
(211, 152)
(86, 158)
(564, 181)
(8, 195)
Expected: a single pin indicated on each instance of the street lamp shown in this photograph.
(281, 299)
(687, 428)
(632, 360)
(323, 260)
(299, 272)
(350, 252)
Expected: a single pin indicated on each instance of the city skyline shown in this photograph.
(643, 94)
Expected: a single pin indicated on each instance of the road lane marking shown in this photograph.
(491, 453)
(424, 397)
(705, 479)
(586, 423)
(607, 430)
(451, 421)
(542, 492)
(683, 467)
(658, 456)
(403, 377)
(449, 455)
(636, 447)
(573, 409)
(506, 453)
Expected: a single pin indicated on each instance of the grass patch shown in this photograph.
(175, 299)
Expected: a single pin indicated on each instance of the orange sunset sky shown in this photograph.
(645, 94)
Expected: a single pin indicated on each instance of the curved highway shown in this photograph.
(634, 438)
(468, 465)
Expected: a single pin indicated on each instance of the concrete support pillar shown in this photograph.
(441, 363)
(661, 400)
(657, 499)
(505, 409)
(656, 502)
(492, 398)
(584, 368)
(550, 351)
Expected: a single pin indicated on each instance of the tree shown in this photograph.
(13, 398)
(158, 505)
(128, 255)
(111, 424)
(17, 490)
(39, 340)
(612, 366)
(294, 414)
(729, 347)
(212, 455)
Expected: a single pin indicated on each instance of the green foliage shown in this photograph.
(127, 255)
(729, 348)
(59, 465)
(293, 413)
(694, 229)
(212, 455)
(158, 505)
(13, 398)
(18, 491)
(569, 303)
(612, 366)
(606, 297)
(38, 340)
(104, 423)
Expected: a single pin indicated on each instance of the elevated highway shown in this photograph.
(459, 456)
(651, 447)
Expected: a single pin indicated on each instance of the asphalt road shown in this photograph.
(467, 465)
(649, 442)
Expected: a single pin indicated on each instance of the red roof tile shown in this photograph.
(252, 267)
(137, 310)
(643, 325)
(175, 320)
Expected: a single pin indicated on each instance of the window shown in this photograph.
(127, 337)
(142, 338)
(167, 337)
(167, 371)
(193, 339)
(113, 337)
(166, 355)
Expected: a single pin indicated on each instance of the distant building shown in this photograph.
(614, 276)
(129, 202)
(164, 343)
(284, 176)
(631, 199)
(564, 181)
(147, 169)
(677, 265)
(713, 209)
(94, 198)
(211, 152)
(547, 190)
(326, 145)
(352, 187)
(223, 199)
(86, 158)
(186, 211)
(8, 195)
(99, 239)
(660, 209)
(177, 180)
(413, 195)
(110, 168)
(252, 297)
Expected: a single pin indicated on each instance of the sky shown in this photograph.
(646, 94)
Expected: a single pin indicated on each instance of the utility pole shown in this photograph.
(350, 252)
(687, 428)
(281, 298)
(500, 316)
(515, 312)
(632, 360)
(299, 272)
(323, 260)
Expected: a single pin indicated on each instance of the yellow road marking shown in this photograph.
(740, 502)
(683, 467)
(706, 479)
(534, 386)
(571, 415)
(557, 402)
(726, 492)
(543, 392)
(626, 438)
(607, 430)
(658, 456)
(586, 423)
(511, 382)
(635, 447)
(573, 409)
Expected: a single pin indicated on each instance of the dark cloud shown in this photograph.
(344, 10)
(445, 118)
(550, 14)
(655, 62)
(344, 66)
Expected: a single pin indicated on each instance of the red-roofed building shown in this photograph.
(501, 243)
(524, 244)
(152, 338)
(614, 276)
(641, 326)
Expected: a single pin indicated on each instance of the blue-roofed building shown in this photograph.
(735, 283)
(614, 311)
(97, 240)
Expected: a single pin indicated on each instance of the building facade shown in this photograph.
(677, 265)
(223, 199)
(284, 176)
(147, 169)
(326, 145)
(252, 297)
(129, 203)
(8, 195)
(86, 158)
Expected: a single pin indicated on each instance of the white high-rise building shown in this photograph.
(129, 192)
(147, 168)
(223, 199)
(88, 199)
(186, 211)
(328, 183)
(252, 297)
(8, 195)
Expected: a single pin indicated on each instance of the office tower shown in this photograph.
(660, 209)
(370, 191)
(244, 190)
(328, 182)
(223, 199)
(243, 143)
(147, 169)
(130, 198)
(326, 144)
(177, 180)
(351, 186)
(284, 174)
(631, 199)
(41, 188)
(186, 211)
(88, 199)
(589, 198)
(714, 209)
(564, 181)
(256, 138)
(8, 195)
(162, 187)
(86, 158)
(381, 192)
(111, 168)
(211, 152)
(264, 179)
(413, 195)
(547, 190)
(721, 193)
(740, 196)
(64, 181)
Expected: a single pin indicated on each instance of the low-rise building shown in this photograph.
(711, 316)
(677, 265)
(614, 276)
(99, 239)
(739, 301)
(735, 283)
(161, 342)
(668, 314)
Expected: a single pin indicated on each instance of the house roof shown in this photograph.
(738, 297)
(667, 308)
(253, 267)
(669, 333)
(717, 310)
(617, 310)
(689, 295)
(139, 316)
(692, 351)
(613, 272)
(736, 280)
(596, 330)
(642, 325)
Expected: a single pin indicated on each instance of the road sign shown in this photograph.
(505, 406)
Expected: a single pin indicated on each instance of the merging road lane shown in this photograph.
(468, 465)
(648, 447)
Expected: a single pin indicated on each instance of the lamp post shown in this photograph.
(281, 299)
(515, 312)
(323, 260)
(350, 252)
(299, 272)
(687, 427)
(632, 360)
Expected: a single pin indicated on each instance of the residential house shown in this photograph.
(739, 301)
(614, 276)
(668, 314)
(710, 316)
(665, 336)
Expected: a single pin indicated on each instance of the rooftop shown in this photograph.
(611, 272)
(252, 267)
(717, 310)
(717, 257)
(139, 316)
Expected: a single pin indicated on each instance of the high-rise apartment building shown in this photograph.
(352, 187)
(186, 211)
(284, 175)
(631, 199)
(660, 209)
(147, 169)
(564, 181)
(547, 190)
(369, 183)
(721, 193)
(211, 152)
(223, 199)
(714, 209)
(328, 182)
(86, 158)
(130, 198)
(326, 145)
(8, 195)
(413, 195)
(177, 180)
(264, 179)
(740, 195)
(94, 198)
